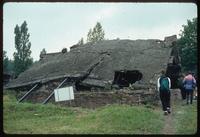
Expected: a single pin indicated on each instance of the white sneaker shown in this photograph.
(165, 112)
(168, 110)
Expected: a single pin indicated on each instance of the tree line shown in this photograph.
(187, 44)
(94, 35)
(22, 59)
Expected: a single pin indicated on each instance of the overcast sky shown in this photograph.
(54, 26)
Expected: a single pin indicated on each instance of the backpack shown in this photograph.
(164, 84)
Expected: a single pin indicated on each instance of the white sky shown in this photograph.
(54, 26)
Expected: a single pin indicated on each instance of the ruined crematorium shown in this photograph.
(101, 72)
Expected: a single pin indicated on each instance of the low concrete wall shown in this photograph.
(96, 98)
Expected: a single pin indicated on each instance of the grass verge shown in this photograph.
(186, 118)
(27, 118)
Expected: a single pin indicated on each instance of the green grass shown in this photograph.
(186, 119)
(120, 119)
(27, 118)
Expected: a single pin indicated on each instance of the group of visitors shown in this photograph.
(186, 84)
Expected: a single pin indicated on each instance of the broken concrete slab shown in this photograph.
(96, 64)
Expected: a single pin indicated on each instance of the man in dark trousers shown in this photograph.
(164, 85)
(181, 86)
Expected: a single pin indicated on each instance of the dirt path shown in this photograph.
(169, 127)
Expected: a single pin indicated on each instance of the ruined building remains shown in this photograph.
(103, 65)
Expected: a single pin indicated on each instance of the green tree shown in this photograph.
(96, 34)
(188, 45)
(5, 62)
(80, 42)
(10, 66)
(22, 58)
(89, 36)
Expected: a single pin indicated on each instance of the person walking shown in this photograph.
(195, 88)
(181, 87)
(189, 85)
(163, 87)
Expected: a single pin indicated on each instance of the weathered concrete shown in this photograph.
(93, 99)
(95, 64)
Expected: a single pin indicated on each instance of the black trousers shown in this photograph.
(189, 95)
(165, 99)
(183, 93)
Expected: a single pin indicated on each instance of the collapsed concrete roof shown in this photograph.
(96, 63)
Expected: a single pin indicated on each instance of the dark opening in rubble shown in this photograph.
(125, 77)
(80, 87)
(173, 72)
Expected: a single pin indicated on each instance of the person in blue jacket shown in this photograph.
(189, 85)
